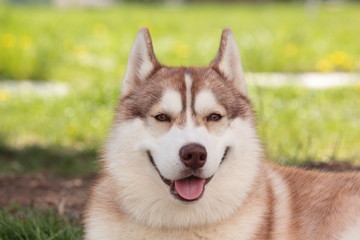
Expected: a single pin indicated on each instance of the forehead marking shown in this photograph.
(188, 112)
(171, 102)
(205, 102)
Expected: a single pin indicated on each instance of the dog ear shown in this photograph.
(141, 63)
(228, 62)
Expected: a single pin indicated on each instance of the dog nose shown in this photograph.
(193, 155)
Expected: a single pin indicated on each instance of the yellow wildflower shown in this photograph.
(342, 61)
(8, 40)
(71, 129)
(4, 95)
(339, 58)
(324, 65)
(336, 61)
(291, 50)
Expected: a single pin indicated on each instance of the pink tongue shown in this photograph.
(190, 188)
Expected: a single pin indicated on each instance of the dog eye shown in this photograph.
(214, 117)
(162, 118)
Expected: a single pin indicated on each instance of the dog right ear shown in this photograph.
(227, 61)
(141, 63)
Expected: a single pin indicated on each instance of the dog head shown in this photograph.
(183, 150)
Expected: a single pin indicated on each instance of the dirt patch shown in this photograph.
(68, 196)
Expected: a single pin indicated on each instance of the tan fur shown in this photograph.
(247, 198)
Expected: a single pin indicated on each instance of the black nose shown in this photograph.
(193, 155)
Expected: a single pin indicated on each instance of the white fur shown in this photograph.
(168, 162)
(282, 207)
(171, 103)
(352, 233)
(129, 229)
(147, 199)
(205, 103)
(188, 84)
(239, 226)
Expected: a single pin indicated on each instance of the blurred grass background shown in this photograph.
(45, 43)
(87, 48)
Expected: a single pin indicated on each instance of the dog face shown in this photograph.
(183, 142)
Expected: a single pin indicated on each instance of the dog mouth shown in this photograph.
(187, 189)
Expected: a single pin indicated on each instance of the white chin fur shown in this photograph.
(143, 195)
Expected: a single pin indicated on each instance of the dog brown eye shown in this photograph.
(214, 117)
(162, 118)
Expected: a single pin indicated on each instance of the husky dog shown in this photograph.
(183, 161)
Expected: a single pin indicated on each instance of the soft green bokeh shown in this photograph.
(87, 44)
(298, 124)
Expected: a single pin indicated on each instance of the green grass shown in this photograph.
(60, 135)
(299, 125)
(37, 225)
(92, 45)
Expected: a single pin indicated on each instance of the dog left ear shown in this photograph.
(228, 62)
(141, 63)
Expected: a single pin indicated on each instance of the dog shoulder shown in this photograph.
(322, 197)
(102, 215)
